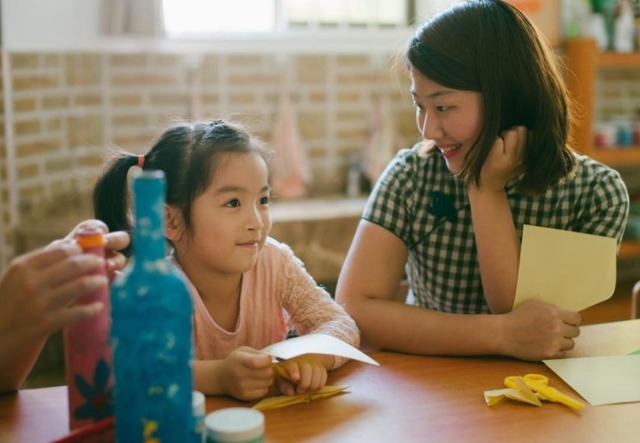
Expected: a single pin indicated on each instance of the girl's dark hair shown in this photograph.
(187, 153)
(489, 46)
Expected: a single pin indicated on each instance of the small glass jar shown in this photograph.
(199, 412)
(234, 425)
(624, 136)
(606, 134)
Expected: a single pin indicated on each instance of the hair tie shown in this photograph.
(140, 161)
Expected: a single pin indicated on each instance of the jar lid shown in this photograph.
(234, 425)
(198, 402)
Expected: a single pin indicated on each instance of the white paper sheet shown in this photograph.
(316, 344)
(601, 380)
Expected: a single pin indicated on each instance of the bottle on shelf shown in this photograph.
(625, 28)
(152, 331)
(88, 357)
(354, 177)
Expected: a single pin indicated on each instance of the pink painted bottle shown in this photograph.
(88, 356)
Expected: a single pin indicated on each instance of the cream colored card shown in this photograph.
(601, 380)
(316, 344)
(571, 270)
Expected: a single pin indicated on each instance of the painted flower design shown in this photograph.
(98, 397)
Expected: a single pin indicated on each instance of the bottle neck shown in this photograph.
(149, 242)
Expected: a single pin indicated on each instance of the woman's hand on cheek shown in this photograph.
(247, 373)
(504, 161)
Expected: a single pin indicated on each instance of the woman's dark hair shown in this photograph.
(187, 153)
(489, 46)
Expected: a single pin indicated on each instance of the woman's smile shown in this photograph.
(449, 151)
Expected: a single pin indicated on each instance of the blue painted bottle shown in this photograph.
(151, 331)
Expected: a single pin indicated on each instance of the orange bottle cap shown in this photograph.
(90, 239)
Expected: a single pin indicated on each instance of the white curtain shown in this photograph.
(132, 17)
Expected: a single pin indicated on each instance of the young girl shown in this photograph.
(494, 114)
(248, 289)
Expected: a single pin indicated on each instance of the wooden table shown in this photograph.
(407, 399)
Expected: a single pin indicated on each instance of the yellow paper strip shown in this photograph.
(282, 401)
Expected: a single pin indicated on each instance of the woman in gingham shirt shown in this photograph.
(448, 213)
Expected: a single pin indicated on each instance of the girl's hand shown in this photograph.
(303, 375)
(536, 330)
(247, 374)
(504, 161)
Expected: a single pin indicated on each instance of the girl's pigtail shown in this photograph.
(111, 194)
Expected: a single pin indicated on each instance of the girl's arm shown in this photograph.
(312, 310)
(367, 286)
(496, 237)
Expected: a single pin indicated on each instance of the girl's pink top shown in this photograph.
(277, 295)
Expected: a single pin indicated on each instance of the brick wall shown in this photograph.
(4, 192)
(68, 109)
(65, 111)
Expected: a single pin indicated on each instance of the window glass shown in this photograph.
(201, 17)
(193, 17)
(346, 12)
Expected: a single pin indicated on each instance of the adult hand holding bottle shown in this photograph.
(36, 298)
(115, 242)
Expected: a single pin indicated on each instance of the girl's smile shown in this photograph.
(252, 244)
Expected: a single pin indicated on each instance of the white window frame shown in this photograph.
(278, 10)
(342, 38)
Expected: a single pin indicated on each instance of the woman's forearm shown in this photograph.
(498, 247)
(400, 327)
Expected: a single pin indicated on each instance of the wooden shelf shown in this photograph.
(618, 59)
(616, 155)
(583, 60)
(629, 249)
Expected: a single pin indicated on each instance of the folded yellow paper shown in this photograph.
(287, 400)
(530, 389)
(300, 349)
(517, 390)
